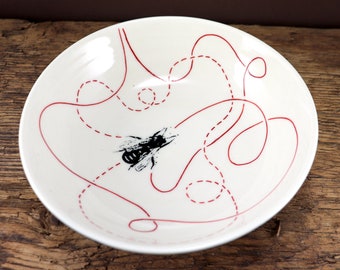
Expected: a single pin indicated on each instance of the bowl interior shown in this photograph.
(167, 134)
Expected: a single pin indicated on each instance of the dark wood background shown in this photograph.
(304, 235)
(311, 13)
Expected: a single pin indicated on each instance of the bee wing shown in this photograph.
(146, 161)
(143, 163)
(130, 144)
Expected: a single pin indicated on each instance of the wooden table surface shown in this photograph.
(304, 235)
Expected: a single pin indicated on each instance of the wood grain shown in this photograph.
(304, 235)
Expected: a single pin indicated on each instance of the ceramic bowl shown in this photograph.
(167, 135)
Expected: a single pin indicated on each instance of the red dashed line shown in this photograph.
(213, 199)
(78, 111)
(82, 193)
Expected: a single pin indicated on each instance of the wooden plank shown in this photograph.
(304, 235)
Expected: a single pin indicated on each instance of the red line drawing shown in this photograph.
(211, 137)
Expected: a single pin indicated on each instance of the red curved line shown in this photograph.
(265, 67)
(179, 179)
(149, 70)
(261, 151)
(220, 37)
(199, 111)
(247, 71)
(183, 221)
(249, 208)
(144, 231)
(215, 104)
(137, 58)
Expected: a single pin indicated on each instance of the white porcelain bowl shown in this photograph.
(167, 135)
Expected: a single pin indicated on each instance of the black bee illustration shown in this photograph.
(139, 153)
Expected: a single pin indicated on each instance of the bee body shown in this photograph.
(141, 153)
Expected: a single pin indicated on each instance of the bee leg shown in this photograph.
(135, 137)
(153, 162)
